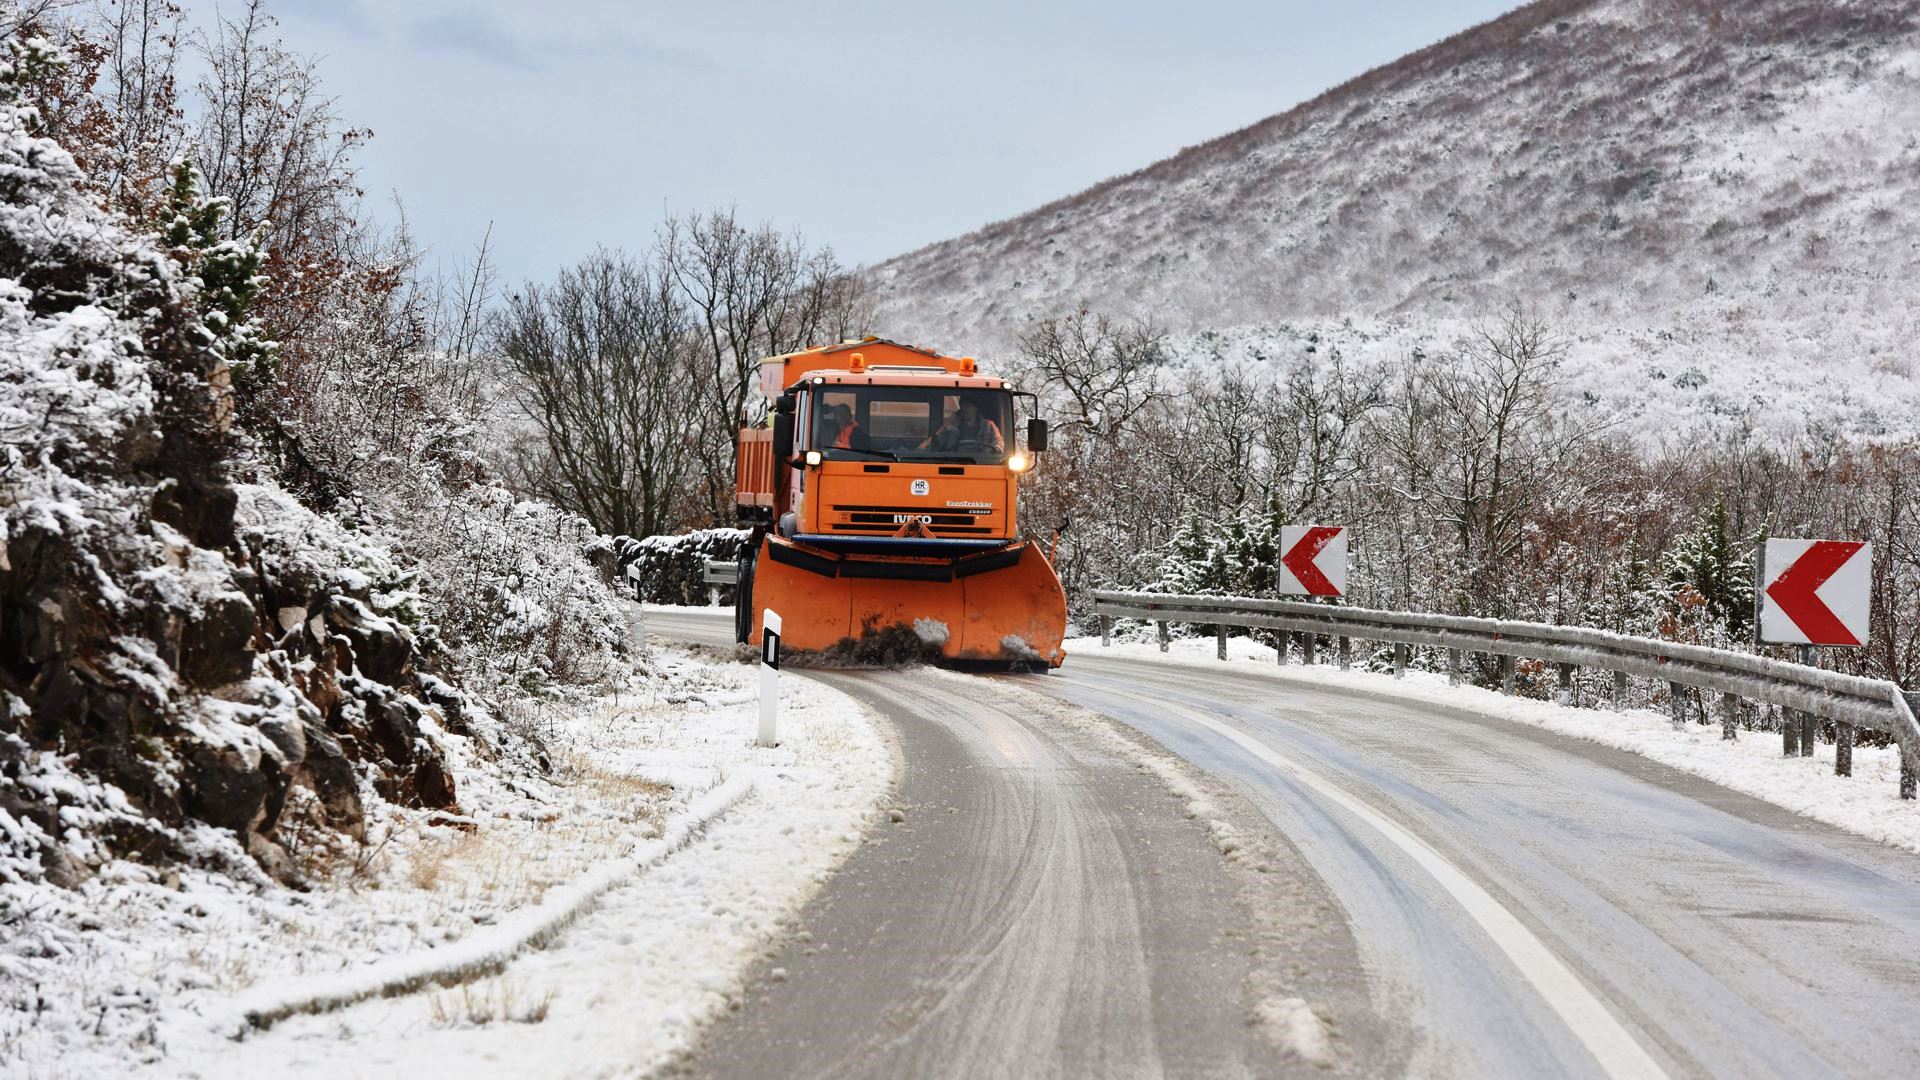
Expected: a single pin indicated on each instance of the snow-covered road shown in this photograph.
(1722, 934)
(1510, 902)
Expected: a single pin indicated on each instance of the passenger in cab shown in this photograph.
(967, 430)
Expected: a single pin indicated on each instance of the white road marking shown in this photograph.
(1618, 1053)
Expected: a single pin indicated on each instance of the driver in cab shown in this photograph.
(838, 428)
(965, 427)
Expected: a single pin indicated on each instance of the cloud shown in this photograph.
(618, 43)
(348, 15)
(480, 34)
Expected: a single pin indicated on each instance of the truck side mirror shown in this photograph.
(1036, 434)
(783, 435)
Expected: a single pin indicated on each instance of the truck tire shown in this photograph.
(743, 599)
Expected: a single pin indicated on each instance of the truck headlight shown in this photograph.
(813, 457)
(1018, 462)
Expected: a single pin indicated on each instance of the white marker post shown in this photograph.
(639, 621)
(769, 677)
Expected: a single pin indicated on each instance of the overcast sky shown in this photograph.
(873, 127)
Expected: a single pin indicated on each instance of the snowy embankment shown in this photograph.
(1866, 803)
(594, 918)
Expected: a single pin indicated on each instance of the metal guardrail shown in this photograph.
(720, 572)
(1807, 693)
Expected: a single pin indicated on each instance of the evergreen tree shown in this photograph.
(229, 275)
(1631, 600)
(1183, 565)
(1712, 564)
(1237, 542)
(1263, 554)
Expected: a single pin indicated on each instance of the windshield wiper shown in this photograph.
(883, 455)
(948, 457)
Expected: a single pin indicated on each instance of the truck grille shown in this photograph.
(888, 519)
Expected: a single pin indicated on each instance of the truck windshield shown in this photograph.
(907, 423)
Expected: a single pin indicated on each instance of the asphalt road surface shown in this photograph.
(1503, 901)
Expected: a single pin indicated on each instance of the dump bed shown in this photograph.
(754, 473)
(778, 373)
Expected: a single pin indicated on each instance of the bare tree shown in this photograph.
(271, 142)
(28, 18)
(1119, 467)
(1105, 371)
(1477, 444)
(139, 84)
(463, 304)
(752, 293)
(602, 357)
(1311, 428)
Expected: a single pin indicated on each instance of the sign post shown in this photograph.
(769, 677)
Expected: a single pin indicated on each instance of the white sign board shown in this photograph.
(1313, 560)
(1815, 592)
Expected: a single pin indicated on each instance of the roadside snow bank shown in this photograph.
(492, 949)
(629, 984)
(148, 971)
(1866, 804)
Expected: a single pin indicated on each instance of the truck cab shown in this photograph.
(884, 462)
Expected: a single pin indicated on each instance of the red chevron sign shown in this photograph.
(1815, 592)
(1313, 560)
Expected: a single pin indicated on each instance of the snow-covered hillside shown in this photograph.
(1679, 185)
(1665, 387)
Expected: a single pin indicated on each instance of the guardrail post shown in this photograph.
(1163, 636)
(1565, 696)
(1789, 733)
(1399, 660)
(1842, 749)
(1619, 689)
(1453, 667)
(1807, 655)
(1106, 631)
(1346, 653)
(1908, 754)
(1677, 703)
(1220, 641)
(1506, 674)
(1729, 717)
(1286, 642)
(1310, 649)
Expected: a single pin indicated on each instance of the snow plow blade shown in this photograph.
(1002, 606)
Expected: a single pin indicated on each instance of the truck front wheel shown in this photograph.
(743, 598)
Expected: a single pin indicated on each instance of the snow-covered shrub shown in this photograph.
(1232, 554)
(512, 589)
(174, 652)
(672, 569)
(370, 428)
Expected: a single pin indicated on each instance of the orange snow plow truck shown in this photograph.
(882, 497)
